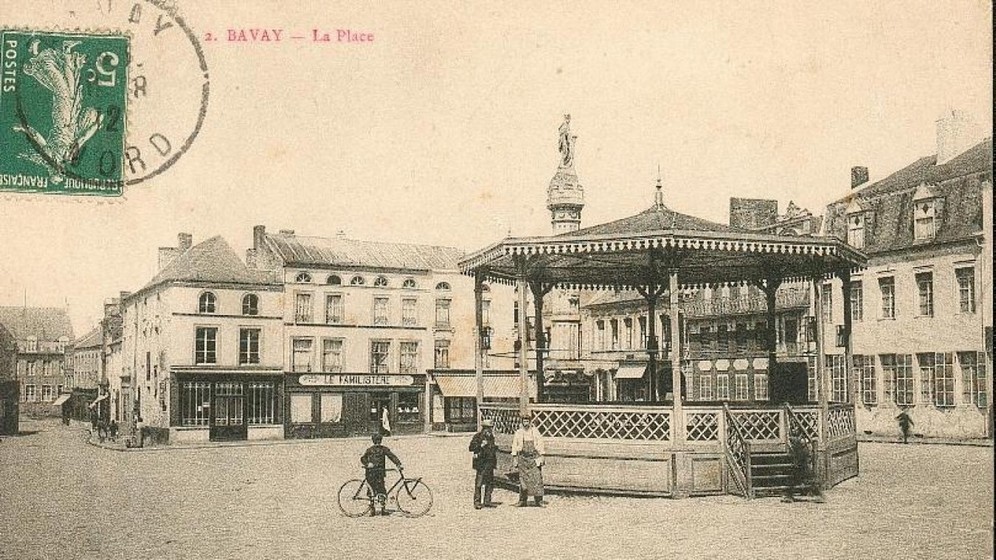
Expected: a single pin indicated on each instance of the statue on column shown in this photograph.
(566, 143)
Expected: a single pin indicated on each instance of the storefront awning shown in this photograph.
(634, 371)
(97, 400)
(495, 387)
(61, 399)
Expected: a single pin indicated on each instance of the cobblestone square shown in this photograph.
(63, 498)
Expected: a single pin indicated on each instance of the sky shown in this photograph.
(443, 129)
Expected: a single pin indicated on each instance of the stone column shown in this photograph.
(478, 328)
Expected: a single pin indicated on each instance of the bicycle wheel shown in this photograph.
(353, 498)
(414, 498)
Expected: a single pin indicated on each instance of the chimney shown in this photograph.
(341, 234)
(954, 135)
(122, 295)
(251, 258)
(286, 232)
(167, 255)
(859, 176)
(184, 241)
(258, 237)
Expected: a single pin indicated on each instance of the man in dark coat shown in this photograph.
(803, 478)
(485, 461)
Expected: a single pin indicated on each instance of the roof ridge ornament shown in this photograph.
(659, 195)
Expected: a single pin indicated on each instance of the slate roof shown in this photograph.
(212, 260)
(652, 219)
(339, 251)
(958, 183)
(92, 339)
(43, 323)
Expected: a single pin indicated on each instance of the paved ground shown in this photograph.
(61, 498)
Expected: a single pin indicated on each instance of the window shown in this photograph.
(195, 403)
(925, 291)
(380, 282)
(32, 344)
(443, 313)
(966, 289)
(460, 410)
(888, 362)
(826, 298)
(303, 278)
(857, 301)
(723, 386)
(904, 379)
(408, 408)
(333, 280)
(379, 351)
(856, 230)
(864, 370)
(380, 310)
(332, 355)
(409, 284)
(248, 346)
(926, 363)
(973, 379)
(643, 332)
(887, 286)
(302, 308)
(741, 393)
(442, 354)
(409, 357)
(923, 221)
(944, 379)
(628, 326)
(443, 286)
(206, 303)
(205, 347)
(836, 366)
(32, 368)
(706, 386)
(761, 386)
(300, 408)
(301, 354)
(357, 281)
(22, 368)
(46, 393)
(409, 315)
(485, 312)
(331, 405)
(262, 402)
(515, 314)
(29, 393)
(600, 335)
(614, 327)
(333, 309)
(250, 304)
(60, 346)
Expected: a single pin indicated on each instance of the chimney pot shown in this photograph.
(184, 241)
(258, 236)
(859, 176)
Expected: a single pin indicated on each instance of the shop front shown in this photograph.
(350, 404)
(454, 396)
(223, 407)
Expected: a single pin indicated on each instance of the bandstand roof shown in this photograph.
(618, 254)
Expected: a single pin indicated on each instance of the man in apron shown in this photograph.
(527, 457)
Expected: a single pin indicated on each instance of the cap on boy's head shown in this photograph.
(377, 438)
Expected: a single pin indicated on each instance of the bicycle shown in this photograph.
(412, 496)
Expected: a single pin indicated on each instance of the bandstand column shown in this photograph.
(539, 291)
(821, 379)
(478, 346)
(676, 407)
(845, 281)
(521, 286)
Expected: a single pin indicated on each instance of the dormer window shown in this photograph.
(333, 280)
(60, 346)
(206, 303)
(303, 278)
(380, 282)
(32, 344)
(443, 286)
(409, 284)
(924, 226)
(856, 231)
(357, 281)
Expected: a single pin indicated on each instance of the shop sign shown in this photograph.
(356, 379)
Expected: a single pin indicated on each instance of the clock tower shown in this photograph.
(565, 195)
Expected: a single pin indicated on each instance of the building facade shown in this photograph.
(9, 388)
(363, 323)
(920, 309)
(86, 362)
(201, 348)
(43, 336)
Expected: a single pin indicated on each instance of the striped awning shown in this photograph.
(495, 387)
(631, 371)
(61, 399)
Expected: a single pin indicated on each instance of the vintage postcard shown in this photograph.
(345, 279)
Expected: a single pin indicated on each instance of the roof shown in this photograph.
(958, 183)
(43, 323)
(92, 339)
(340, 251)
(212, 260)
(655, 218)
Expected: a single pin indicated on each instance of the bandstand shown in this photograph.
(671, 446)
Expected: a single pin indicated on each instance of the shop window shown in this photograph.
(300, 408)
(408, 408)
(379, 351)
(864, 370)
(461, 410)
(925, 362)
(331, 405)
(966, 289)
(333, 309)
(836, 366)
(302, 308)
(409, 357)
(925, 293)
(409, 312)
(206, 303)
(332, 355)
(250, 304)
(973, 379)
(205, 348)
(195, 403)
(944, 379)
(857, 301)
(248, 346)
(301, 354)
(887, 287)
(262, 402)
(380, 311)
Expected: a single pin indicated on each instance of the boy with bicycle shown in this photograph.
(374, 463)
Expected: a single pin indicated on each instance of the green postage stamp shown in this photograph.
(62, 112)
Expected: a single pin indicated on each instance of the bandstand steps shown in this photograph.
(771, 474)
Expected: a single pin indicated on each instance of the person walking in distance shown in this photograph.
(527, 457)
(485, 460)
(385, 423)
(905, 423)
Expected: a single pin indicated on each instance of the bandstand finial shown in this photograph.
(659, 195)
